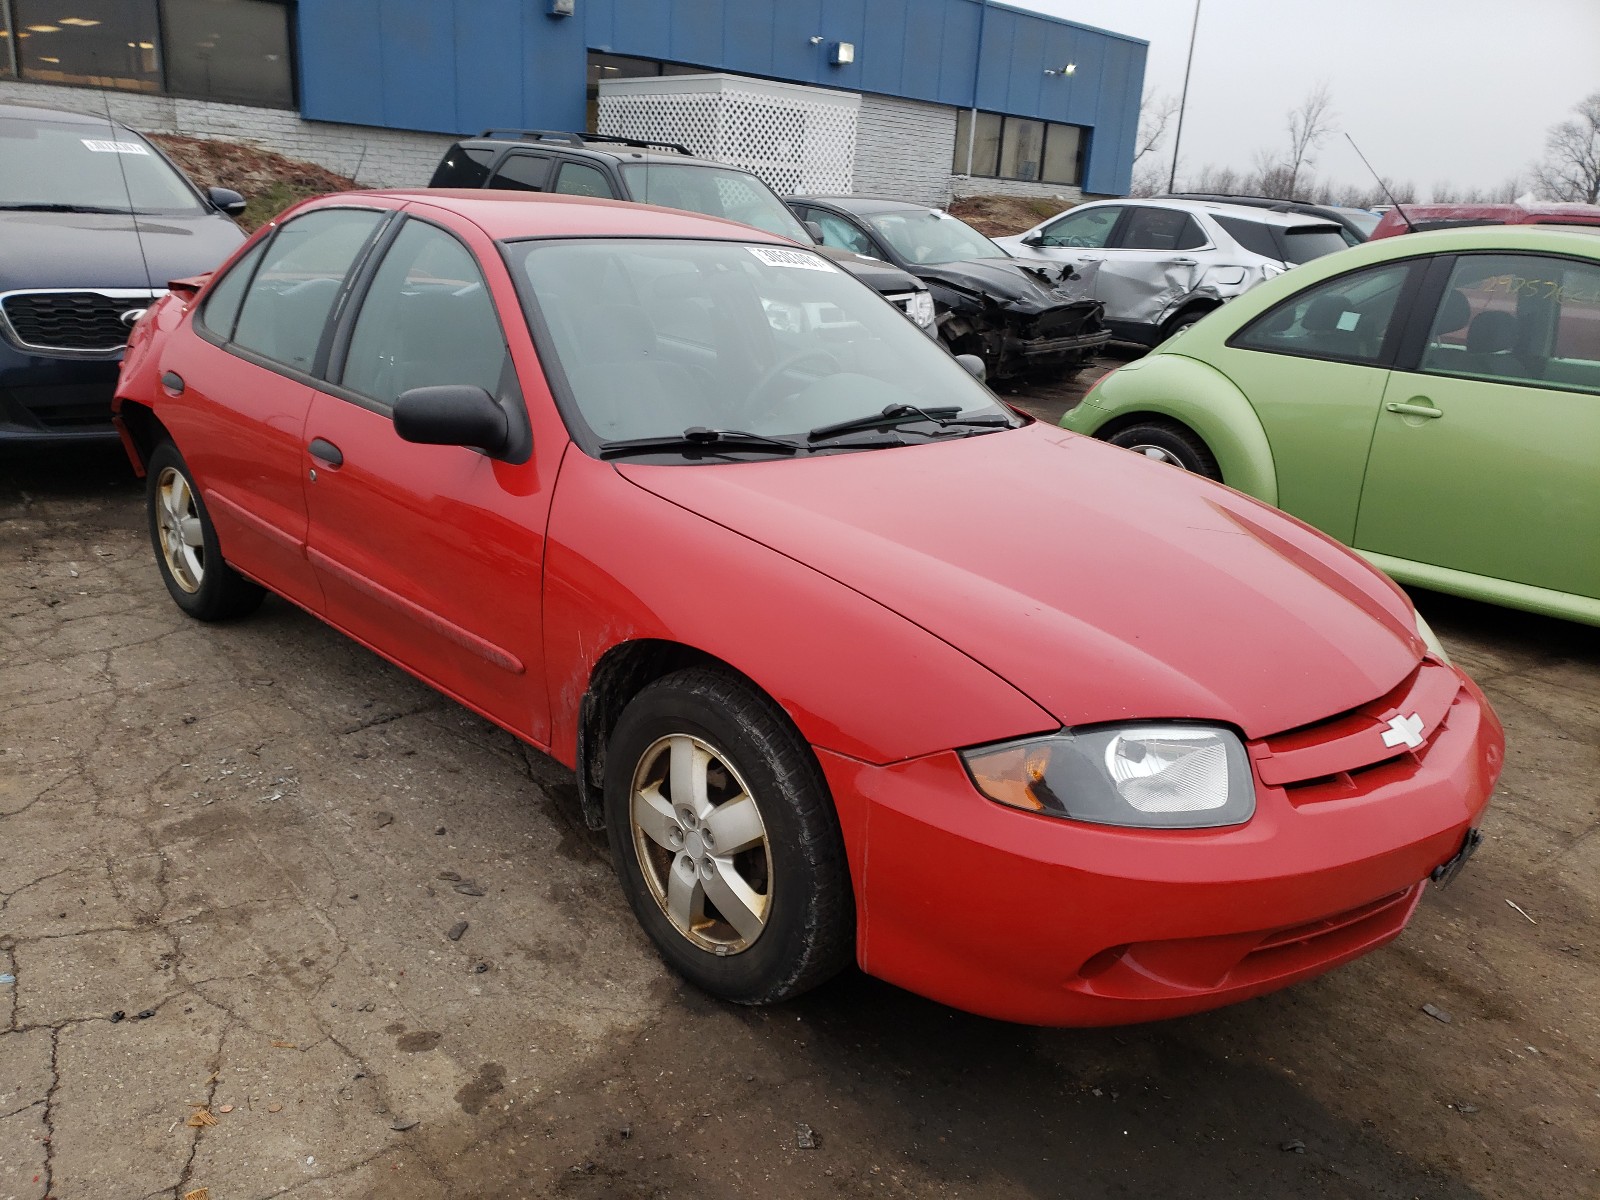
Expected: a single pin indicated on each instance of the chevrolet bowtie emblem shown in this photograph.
(1404, 731)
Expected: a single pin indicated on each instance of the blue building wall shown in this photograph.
(456, 66)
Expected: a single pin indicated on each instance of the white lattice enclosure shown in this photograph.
(798, 139)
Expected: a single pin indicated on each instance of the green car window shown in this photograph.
(1349, 318)
(1518, 318)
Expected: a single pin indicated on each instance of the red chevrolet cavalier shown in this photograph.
(850, 660)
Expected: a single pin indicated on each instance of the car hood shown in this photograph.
(1101, 585)
(95, 250)
(1028, 287)
(879, 276)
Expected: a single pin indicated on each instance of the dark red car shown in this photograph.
(851, 661)
(1419, 218)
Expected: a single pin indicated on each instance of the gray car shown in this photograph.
(1164, 264)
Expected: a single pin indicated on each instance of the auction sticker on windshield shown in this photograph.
(773, 256)
(101, 147)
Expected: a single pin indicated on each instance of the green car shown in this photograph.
(1432, 401)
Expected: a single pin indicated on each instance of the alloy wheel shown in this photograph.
(178, 523)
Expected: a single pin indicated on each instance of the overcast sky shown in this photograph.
(1433, 91)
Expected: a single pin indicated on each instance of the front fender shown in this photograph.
(623, 564)
(1194, 394)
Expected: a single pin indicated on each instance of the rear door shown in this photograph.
(432, 555)
(1483, 458)
(243, 388)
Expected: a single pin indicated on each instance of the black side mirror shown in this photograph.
(228, 200)
(1033, 239)
(452, 415)
(974, 367)
(814, 228)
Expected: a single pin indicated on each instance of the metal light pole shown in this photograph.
(1177, 137)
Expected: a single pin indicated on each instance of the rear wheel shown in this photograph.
(1182, 321)
(726, 841)
(191, 564)
(1168, 443)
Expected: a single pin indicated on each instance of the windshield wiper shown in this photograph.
(904, 414)
(62, 208)
(697, 437)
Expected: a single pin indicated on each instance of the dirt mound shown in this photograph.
(269, 181)
(1000, 216)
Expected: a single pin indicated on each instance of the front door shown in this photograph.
(1484, 455)
(431, 555)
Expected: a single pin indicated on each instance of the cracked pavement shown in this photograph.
(232, 856)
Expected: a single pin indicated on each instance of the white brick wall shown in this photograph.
(373, 157)
(903, 149)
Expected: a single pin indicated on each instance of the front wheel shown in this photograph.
(191, 564)
(726, 841)
(1170, 444)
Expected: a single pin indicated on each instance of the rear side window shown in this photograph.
(1252, 235)
(463, 167)
(286, 308)
(1348, 319)
(1161, 229)
(523, 173)
(222, 304)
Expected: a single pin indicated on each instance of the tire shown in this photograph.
(1168, 443)
(198, 578)
(756, 781)
(1182, 321)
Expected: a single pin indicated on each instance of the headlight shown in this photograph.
(920, 309)
(1147, 776)
(1430, 639)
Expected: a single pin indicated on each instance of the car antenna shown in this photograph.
(127, 190)
(1410, 228)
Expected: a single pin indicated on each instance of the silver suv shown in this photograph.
(1158, 266)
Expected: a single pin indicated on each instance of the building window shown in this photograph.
(1018, 148)
(236, 51)
(230, 50)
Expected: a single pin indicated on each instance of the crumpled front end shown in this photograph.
(1031, 320)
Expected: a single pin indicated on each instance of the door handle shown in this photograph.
(326, 452)
(1414, 410)
(1184, 262)
(173, 382)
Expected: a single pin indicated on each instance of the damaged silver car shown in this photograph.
(1021, 318)
(1164, 264)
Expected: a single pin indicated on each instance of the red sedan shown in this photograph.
(688, 508)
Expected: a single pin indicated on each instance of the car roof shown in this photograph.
(65, 115)
(506, 214)
(1218, 208)
(596, 145)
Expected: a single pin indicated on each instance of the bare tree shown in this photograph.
(1308, 126)
(1570, 169)
(1156, 113)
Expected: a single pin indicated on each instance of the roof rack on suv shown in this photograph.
(583, 139)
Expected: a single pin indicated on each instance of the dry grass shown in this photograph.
(269, 182)
(1001, 216)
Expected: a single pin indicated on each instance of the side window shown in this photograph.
(580, 179)
(1521, 318)
(463, 167)
(841, 234)
(426, 320)
(1348, 319)
(1252, 235)
(1160, 229)
(286, 308)
(1084, 227)
(222, 304)
(523, 173)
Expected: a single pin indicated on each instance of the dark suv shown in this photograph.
(94, 221)
(664, 173)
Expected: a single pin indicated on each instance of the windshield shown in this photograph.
(927, 235)
(657, 336)
(76, 165)
(1302, 245)
(714, 191)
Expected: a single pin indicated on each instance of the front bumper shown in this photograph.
(55, 400)
(1048, 347)
(1039, 920)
